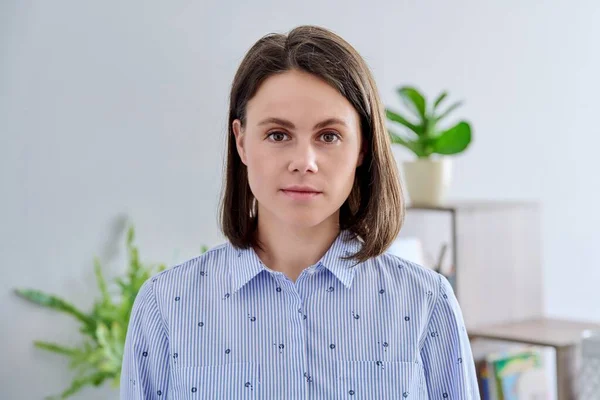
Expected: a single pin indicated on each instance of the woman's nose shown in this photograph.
(303, 159)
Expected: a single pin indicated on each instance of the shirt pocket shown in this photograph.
(379, 380)
(227, 381)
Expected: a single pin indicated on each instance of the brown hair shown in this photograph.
(374, 210)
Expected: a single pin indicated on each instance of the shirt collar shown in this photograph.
(344, 245)
(246, 264)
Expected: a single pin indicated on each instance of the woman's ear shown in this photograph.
(239, 139)
(361, 155)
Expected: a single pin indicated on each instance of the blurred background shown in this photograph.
(115, 112)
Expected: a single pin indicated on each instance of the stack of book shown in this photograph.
(515, 371)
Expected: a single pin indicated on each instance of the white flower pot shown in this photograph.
(427, 180)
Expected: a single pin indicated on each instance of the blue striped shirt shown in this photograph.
(223, 325)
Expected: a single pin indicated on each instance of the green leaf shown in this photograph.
(101, 282)
(130, 235)
(449, 110)
(413, 100)
(118, 339)
(78, 384)
(453, 140)
(53, 302)
(395, 117)
(102, 335)
(440, 98)
(413, 146)
(55, 348)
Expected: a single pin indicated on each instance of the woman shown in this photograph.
(302, 301)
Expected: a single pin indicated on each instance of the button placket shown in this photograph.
(297, 333)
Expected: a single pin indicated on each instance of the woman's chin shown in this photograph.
(302, 219)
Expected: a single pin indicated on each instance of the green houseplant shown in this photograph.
(99, 357)
(428, 176)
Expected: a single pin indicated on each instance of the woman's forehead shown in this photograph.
(299, 99)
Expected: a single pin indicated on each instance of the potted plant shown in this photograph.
(428, 177)
(99, 356)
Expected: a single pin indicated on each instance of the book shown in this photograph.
(511, 370)
(521, 376)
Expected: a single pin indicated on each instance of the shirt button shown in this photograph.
(351, 392)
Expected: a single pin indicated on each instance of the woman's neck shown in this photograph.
(291, 249)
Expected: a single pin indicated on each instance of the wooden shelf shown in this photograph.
(538, 332)
(564, 335)
(466, 205)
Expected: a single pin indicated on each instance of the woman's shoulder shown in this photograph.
(211, 262)
(403, 270)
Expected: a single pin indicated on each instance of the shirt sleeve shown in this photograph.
(446, 353)
(145, 368)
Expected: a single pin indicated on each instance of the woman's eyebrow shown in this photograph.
(290, 125)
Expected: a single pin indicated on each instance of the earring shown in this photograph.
(254, 210)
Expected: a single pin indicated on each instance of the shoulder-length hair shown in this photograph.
(374, 210)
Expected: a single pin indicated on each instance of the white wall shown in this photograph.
(118, 108)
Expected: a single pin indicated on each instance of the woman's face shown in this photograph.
(301, 145)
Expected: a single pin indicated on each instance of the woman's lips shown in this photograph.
(300, 194)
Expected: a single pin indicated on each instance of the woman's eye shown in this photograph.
(277, 136)
(330, 137)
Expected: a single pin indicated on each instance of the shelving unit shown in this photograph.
(497, 276)
(495, 256)
(563, 335)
